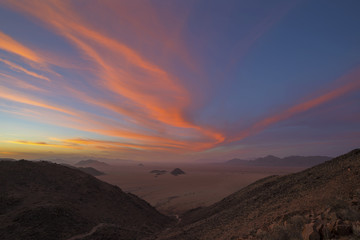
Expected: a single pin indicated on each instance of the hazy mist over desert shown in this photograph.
(179, 119)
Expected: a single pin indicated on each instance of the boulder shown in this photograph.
(342, 228)
(356, 228)
(309, 232)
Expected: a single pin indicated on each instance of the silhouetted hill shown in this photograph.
(91, 171)
(42, 200)
(7, 159)
(93, 163)
(318, 203)
(88, 170)
(177, 171)
(272, 161)
(237, 161)
(158, 172)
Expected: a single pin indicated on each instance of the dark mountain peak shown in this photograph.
(177, 171)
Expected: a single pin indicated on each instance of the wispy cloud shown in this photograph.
(153, 91)
(79, 120)
(44, 144)
(13, 81)
(130, 86)
(350, 83)
(12, 46)
(245, 44)
(8, 94)
(17, 67)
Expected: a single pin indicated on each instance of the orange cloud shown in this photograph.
(90, 123)
(19, 83)
(110, 144)
(121, 69)
(6, 153)
(10, 45)
(11, 95)
(43, 144)
(17, 67)
(145, 22)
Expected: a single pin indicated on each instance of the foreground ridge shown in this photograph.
(42, 200)
(318, 203)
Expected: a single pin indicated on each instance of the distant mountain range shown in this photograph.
(91, 171)
(91, 162)
(272, 161)
(7, 159)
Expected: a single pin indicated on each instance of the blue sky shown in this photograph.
(179, 80)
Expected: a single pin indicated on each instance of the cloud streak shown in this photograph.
(43, 144)
(10, 80)
(12, 46)
(92, 123)
(120, 69)
(8, 94)
(16, 67)
(119, 77)
(351, 83)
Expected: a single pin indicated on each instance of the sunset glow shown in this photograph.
(178, 80)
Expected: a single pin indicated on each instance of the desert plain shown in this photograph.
(202, 184)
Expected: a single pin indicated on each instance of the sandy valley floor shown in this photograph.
(202, 185)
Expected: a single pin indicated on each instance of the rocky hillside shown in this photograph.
(42, 200)
(319, 203)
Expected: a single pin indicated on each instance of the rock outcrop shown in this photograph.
(177, 171)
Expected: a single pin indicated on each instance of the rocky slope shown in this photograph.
(42, 200)
(319, 203)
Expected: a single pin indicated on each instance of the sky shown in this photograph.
(195, 80)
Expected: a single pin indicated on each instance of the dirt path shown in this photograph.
(93, 230)
(178, 219)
